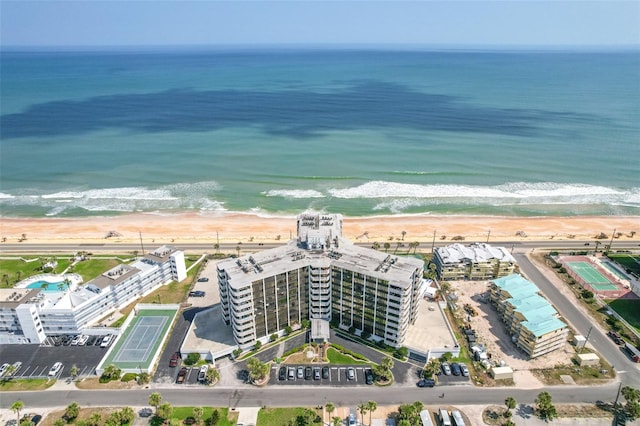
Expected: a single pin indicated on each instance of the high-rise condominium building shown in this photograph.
(320, 275)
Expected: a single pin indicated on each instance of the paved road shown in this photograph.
(518, 246)
(582, 322)
(282, 396)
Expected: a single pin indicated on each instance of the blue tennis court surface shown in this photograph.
(591, 276)
(140, 341)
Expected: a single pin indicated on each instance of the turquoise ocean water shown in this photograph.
(362, 133)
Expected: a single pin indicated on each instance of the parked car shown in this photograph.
(76, 340)
(616, 337)
(181, 375)
(55, 369)
(91, 341)
(368, 376)
(353, 420)
(446, 368)
(291, 373)
(307, 373)
(351, 373)
(145, 412)
(426, 383)
(3, 368)
(316, 373)
(325, 372)
(300, 372)
(174, 360)
(197, 293)
(202, 374)
(83, 340)
(16, 367)
(106, 341)
(282, 373)
(455, 369)
(464, 369)
(203, 279)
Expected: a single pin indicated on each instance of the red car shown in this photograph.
(174, 360)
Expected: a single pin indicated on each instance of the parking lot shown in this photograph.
(191, 377)
(37, 360)
(334, 376)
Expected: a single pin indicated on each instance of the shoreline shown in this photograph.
(238, 227)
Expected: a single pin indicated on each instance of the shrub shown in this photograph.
(128, 377)
(192, 358)
(288, 330)
(237, 352)
(273, 337)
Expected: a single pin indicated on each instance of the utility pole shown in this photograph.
(586, 339)
(615, 404)
(611, 242)
(141, 245)
(433, 243)
(488, 235)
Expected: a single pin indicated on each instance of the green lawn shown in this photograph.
(336, 357)
(182, 413)
(25, 384)
(89, 269)
(282, 416)
(629, 309)
(16, 269)
(628, 261)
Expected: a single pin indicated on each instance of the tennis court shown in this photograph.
(591, 276)
(138, 346)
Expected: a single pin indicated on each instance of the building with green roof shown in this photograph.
(530, 319)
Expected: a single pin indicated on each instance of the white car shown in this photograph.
(16, 367)
(202, 375)
(3, 368)
(76, 340)
(55, 369)
(83, 340)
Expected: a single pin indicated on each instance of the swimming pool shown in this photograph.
(48, 286)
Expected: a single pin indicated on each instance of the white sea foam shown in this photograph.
(517, 190)
(5, 196)
(182, 196)
(294, 193)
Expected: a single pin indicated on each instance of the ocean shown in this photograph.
(358, 132)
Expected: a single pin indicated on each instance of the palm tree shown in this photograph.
(371, 406)
(375, 245)
(403, 234)
(16, 407)
(72, 411)
(198, 414)
(386, 247)
(127, 415)
(238, 250)
(398, 245)
(10, 370)
(217, 247)
(19, 274)
(415, 246)
(73, 371)
(155, 399)
(363, 410)
(5, 278)
(337, 421)
(445, 287)
(330, 406)
(510, 402)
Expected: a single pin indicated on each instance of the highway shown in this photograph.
(178, 395)
(425, 246)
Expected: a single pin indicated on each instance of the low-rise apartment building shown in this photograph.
(36, 313)
(478, 261)
(531, 321)
(319, 275)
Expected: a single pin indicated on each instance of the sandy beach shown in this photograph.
(235, 227)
